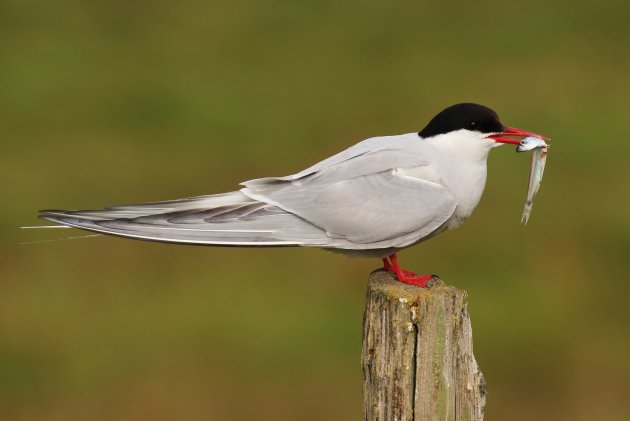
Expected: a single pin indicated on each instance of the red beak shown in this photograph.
(511, 131)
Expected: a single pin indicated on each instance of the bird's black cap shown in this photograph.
(463, 116)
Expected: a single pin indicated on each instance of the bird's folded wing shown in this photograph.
(383, 209)
(230, 219)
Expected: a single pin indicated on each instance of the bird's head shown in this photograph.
(477, 122)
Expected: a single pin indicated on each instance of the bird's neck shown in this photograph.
(463, 170)
(464, 147)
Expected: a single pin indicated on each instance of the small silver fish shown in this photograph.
(536, 170)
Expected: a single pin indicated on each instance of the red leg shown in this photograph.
(403, 275)
(389, 267)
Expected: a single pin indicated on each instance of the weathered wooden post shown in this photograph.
(417, 358)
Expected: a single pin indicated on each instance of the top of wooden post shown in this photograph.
(386, 283)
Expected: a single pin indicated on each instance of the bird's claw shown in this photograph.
(406, 276)
(417, 280)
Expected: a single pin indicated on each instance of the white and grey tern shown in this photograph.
(373, 199)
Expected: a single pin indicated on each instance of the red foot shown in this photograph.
(403, 275)
(417, 280)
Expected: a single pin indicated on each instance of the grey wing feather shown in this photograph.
(226, 219)
(150, 208)
(355, 200)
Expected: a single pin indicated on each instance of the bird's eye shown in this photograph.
(474, 125)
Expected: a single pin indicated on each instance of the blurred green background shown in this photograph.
(128, 101)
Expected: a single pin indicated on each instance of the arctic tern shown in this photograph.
(373, 199)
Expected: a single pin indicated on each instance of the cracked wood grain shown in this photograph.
(417, 358)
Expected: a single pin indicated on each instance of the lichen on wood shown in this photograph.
(417, 354)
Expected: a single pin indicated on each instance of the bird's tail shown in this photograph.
(229, 219)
